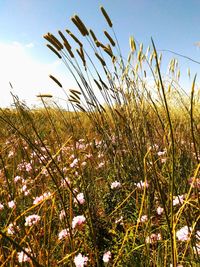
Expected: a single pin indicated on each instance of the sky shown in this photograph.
(26, 62)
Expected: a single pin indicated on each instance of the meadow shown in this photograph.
(111, 180)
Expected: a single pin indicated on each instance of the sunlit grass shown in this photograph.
(114, 180)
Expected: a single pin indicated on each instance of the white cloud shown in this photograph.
(30, 45)
(28, 75)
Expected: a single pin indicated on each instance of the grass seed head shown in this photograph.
(55, 80)
(54, 50)
(109, 38)
(106, 16)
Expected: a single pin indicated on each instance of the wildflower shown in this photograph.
(184, 233)
(80, 199)
(106, 256)
(1, 206)
(11, 204)
(161, 153)
(159, 210)
(153, 238)
(26, 193)
(65, 183)
(78, 221)
(63, 234)
(22, 256)
(28, 167)
(32, 220)
(80, 260)
(74, 163)
(17, 178)
(41, 198)
(10, 229)
(144, 218)
(115, 184)
(101, 164)
(178, 200)
(119, 220)
(142, 185)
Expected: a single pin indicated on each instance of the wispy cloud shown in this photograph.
(29, 76)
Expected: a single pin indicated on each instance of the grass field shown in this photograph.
(103, 183)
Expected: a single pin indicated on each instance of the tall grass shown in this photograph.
(113, 181)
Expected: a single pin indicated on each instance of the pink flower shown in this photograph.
(22, 257)
(101, 164)
(63, 234)
(107, 256)
(1, 206)
(74, 163)
(78, 221)
(144, 218)
(17, 178)
(159, 210)
(11, 229)
(178, 200)
(65, 183)
(153, 238)
(80, 260)
(80, 198)
(184, 233)
(115, 184)
(161, 153)
(32, 219)
(28, 167)
(41, 198)
(11, 204)
(142, 185)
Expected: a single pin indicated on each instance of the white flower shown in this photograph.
(159, 210)
(63, 234)
(11, 204)
(106, 256)
(80, 260)
(65, 183)
(142, 185)
(80, 198)
(178, 200)
(115, 184)
(78, 221)
(41, 198)
(10, 229)
(144, 218)
(32, 219)
(184, 233)
(22, 257)
(74, 163)
(153, 238)
(1, 206)
(17, 178)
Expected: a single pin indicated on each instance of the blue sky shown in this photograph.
(26, 62)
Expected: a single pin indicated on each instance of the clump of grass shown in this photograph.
(115, 181)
